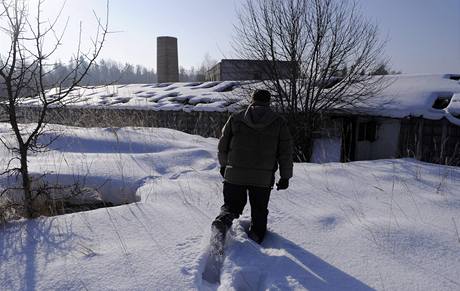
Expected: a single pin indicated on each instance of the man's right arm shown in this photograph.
(224, 142)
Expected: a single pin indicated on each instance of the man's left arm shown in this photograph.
(285, 156)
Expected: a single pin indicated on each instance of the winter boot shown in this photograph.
(218, 232)
(252, 235)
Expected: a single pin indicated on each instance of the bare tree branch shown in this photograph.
(23, 73)
(328, 44)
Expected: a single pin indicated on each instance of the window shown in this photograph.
(442, 101)
(367, 131)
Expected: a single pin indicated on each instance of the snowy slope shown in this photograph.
(386, 225)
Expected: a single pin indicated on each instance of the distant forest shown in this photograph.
(112, 72)
(109, 72)
(105, 72)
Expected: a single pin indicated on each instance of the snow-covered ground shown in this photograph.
(386, 225)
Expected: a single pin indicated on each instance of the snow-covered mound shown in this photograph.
(387, 225)
(115, 161)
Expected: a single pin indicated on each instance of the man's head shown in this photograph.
(261, 96)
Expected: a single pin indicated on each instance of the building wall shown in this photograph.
(433, 141)
(207, 124)
(214, 73)
(326, 150)
(436, 141)
(386, 143)
(327, 141)
(238, 70)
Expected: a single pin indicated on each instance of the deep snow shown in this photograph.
(386, 225)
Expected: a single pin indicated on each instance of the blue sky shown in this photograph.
(423, 35)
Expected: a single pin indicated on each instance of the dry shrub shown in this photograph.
(50, 200)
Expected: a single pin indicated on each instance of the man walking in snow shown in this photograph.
(255, 142)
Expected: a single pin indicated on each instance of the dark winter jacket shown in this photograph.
(254, 143)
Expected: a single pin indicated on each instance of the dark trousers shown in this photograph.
(235, 198)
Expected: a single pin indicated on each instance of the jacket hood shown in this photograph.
(259, 115)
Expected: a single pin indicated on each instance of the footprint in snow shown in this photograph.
(176, 176)
(189, 249)
(329, 222)
(194, 240)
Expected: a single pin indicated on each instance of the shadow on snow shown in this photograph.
(280, 264)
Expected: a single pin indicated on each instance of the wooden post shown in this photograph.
(444, 139)
(419, 140)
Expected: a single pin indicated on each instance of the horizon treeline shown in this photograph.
(105, 72)
(109, 71)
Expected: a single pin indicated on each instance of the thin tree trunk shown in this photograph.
(26, 184)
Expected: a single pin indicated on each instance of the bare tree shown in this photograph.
(23, 73)
(207, 63)
(327, 44)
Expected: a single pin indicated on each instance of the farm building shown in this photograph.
(237, 70)
(414, 116)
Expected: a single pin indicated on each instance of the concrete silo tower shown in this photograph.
(167, 59)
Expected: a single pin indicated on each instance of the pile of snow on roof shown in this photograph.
(417, 95)
(402, 96)
(192, 96)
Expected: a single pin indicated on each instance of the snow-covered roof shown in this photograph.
(428, 96)
(191, 96)
(403, 95)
